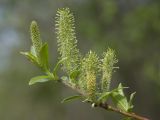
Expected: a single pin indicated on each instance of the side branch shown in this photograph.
(110, 108)
(105, 105)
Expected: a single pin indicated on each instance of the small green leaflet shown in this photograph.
(44, 56)
(30, 57)
(131, 100)
(74, 75)
(71, 98)
(33, 52)
(57, 66)
(39, 79)
(104, 96)
(120, 99)
(64, 78)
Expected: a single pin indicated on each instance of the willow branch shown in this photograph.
(105, 105)
(128, 114)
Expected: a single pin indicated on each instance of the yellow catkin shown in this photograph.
(91, 84)
(88, 74)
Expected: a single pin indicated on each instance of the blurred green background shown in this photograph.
(131, 27)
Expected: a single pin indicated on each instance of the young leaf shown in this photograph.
(71, 98)
(30, 57)
(74, 74)
(104, 96)
(119, 99)
(33, 51)
(39, 79)
(57, 66)
(130, 101)
(120, 89)
(44, 56)
(64, 78)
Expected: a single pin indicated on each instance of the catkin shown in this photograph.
(35, 37)
(67, 42)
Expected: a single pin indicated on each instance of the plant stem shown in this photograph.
(129, 114)
(105, 105)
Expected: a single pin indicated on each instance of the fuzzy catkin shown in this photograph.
(107, 67)
(35, 37)
(88, 74)
(91, 84)
(67, 42)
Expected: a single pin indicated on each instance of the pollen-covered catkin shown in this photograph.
(89, 72)
(91, 84)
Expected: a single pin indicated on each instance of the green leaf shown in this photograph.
(33, 52)
(64, 78)
(120, 89)
(57, 66)
(131, 97)
(104, 96)
(39, 79)
(119, 99)
(71, 98)
(30, 57)
(74, 74)
(131, 100)
(44, 56)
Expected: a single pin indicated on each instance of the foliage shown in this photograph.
(81, 72)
